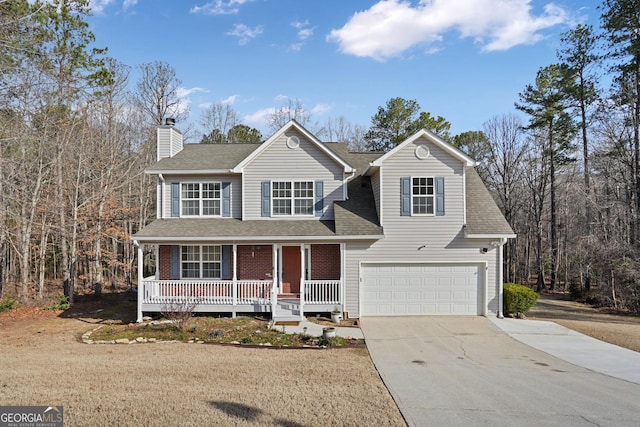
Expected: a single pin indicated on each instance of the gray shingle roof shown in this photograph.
(204, 157)
(357, 215)
(236, 229)
(483, 214)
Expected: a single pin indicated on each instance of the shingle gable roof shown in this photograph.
(483, 215)
(357, 214)
(204, 157)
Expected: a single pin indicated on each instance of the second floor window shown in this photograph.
(422, 196)
(200, 198)
(292, 197)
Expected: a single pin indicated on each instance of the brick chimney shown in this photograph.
(169, 139)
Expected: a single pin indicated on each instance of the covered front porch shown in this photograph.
(284, 279)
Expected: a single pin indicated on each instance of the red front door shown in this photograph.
(291, 269)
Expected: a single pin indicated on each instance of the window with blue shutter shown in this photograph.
(175, 199)
(319, 196)
(226, 199)
(422, 196)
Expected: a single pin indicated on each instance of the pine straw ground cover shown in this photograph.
(44, 362)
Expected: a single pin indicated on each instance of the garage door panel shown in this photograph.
(415, 289)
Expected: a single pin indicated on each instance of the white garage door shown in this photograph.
(415, 289)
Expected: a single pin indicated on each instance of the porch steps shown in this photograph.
(287, 311)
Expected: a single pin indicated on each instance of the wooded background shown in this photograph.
(77, 131)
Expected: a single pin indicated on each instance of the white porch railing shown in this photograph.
(206, 292)
(322, 292)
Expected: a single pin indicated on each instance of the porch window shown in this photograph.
(201, 262)
(292, 198)
(201, 198)
(422, 195)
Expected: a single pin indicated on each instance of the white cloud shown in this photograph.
(97, 6)
(304, 32)
(244, 33)
(220, 7)
(295, 47)
(230, 100)
(183, 92)
(128, 4)
(320, 109)
(260, 117)
(390, 27)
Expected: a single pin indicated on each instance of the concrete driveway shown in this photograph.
(464, 371)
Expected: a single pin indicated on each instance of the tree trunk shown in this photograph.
(554, 217)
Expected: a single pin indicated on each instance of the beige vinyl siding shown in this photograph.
(278, 162)
(442, 236)
(236, 190)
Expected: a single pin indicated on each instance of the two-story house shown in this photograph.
(294, 226)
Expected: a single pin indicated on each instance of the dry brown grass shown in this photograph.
(43, 363)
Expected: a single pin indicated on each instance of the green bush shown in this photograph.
(7, 304)
(61, 304)
(518, 298)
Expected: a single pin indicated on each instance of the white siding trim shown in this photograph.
(380, 189)
(464, 196)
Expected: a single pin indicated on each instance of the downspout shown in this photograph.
(303, 263)
(140, 279)
(500, 311)
(161, 201)
(343, 291)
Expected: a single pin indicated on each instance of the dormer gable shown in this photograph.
(422, 151)
(292, 142)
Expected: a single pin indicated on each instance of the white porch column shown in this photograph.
(140, 280)
(157, 275)
(275, 278)
(302, 284)
(234, 280)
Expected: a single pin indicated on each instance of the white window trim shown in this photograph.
(293, 198)
(433, 196)
(200, 262)
(200, 199)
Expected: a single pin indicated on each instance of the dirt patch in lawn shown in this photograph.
(616, 328)
(45, 363)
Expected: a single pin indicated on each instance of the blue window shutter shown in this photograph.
(319, 202)
(226, 199)
(439, 195)
(226, 261)
(175, 261)
(405, 196)
(266, 198)
(175, 199)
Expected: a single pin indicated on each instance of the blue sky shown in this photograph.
(465, 60)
